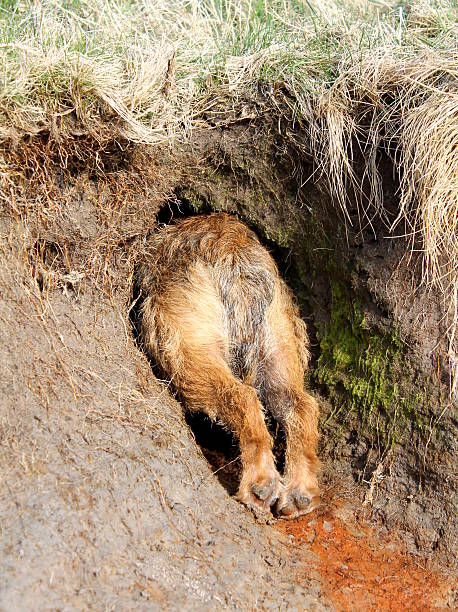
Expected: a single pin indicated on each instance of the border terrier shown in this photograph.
(223, 327)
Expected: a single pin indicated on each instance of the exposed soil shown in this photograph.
(106, 500)
(361, 565)
(365, 567)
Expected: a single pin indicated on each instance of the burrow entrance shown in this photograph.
(219, 446)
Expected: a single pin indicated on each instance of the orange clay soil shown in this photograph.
(363, 568)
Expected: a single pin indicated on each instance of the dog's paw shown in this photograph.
(259, 490)
(295, 500)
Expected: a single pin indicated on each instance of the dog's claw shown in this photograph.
(263, 491)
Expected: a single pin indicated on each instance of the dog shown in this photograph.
(223, 326)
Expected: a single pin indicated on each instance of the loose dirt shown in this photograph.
(365, 567)
(360, 565)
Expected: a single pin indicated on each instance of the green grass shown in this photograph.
(228, 44)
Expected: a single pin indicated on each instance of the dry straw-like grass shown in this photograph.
(361, 74)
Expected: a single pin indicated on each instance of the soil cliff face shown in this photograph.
(105, 495)
(379, 353)
(106, 500)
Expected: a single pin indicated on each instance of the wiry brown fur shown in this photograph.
(222, 324)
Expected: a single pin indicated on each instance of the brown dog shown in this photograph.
(222, 325)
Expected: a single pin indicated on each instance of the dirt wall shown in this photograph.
(105, 495)
(378, 336)
(106, 500)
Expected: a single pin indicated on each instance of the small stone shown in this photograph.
(327, 526)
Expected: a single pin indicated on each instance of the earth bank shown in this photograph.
(105, 495)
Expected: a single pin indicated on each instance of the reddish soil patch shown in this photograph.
(365, 568)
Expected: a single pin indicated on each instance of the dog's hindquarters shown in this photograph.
(223, 327)
(186, 329)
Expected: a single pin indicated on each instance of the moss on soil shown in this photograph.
(362, 367)
(363, 371)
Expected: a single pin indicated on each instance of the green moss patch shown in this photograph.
(363, 372)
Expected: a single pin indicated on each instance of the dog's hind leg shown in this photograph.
(212, 388)
(281, 387)
(185, 330)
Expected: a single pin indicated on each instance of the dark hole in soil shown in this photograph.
(179, 207)
(219, 446)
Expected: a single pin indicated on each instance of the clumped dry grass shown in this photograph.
(366, 75)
